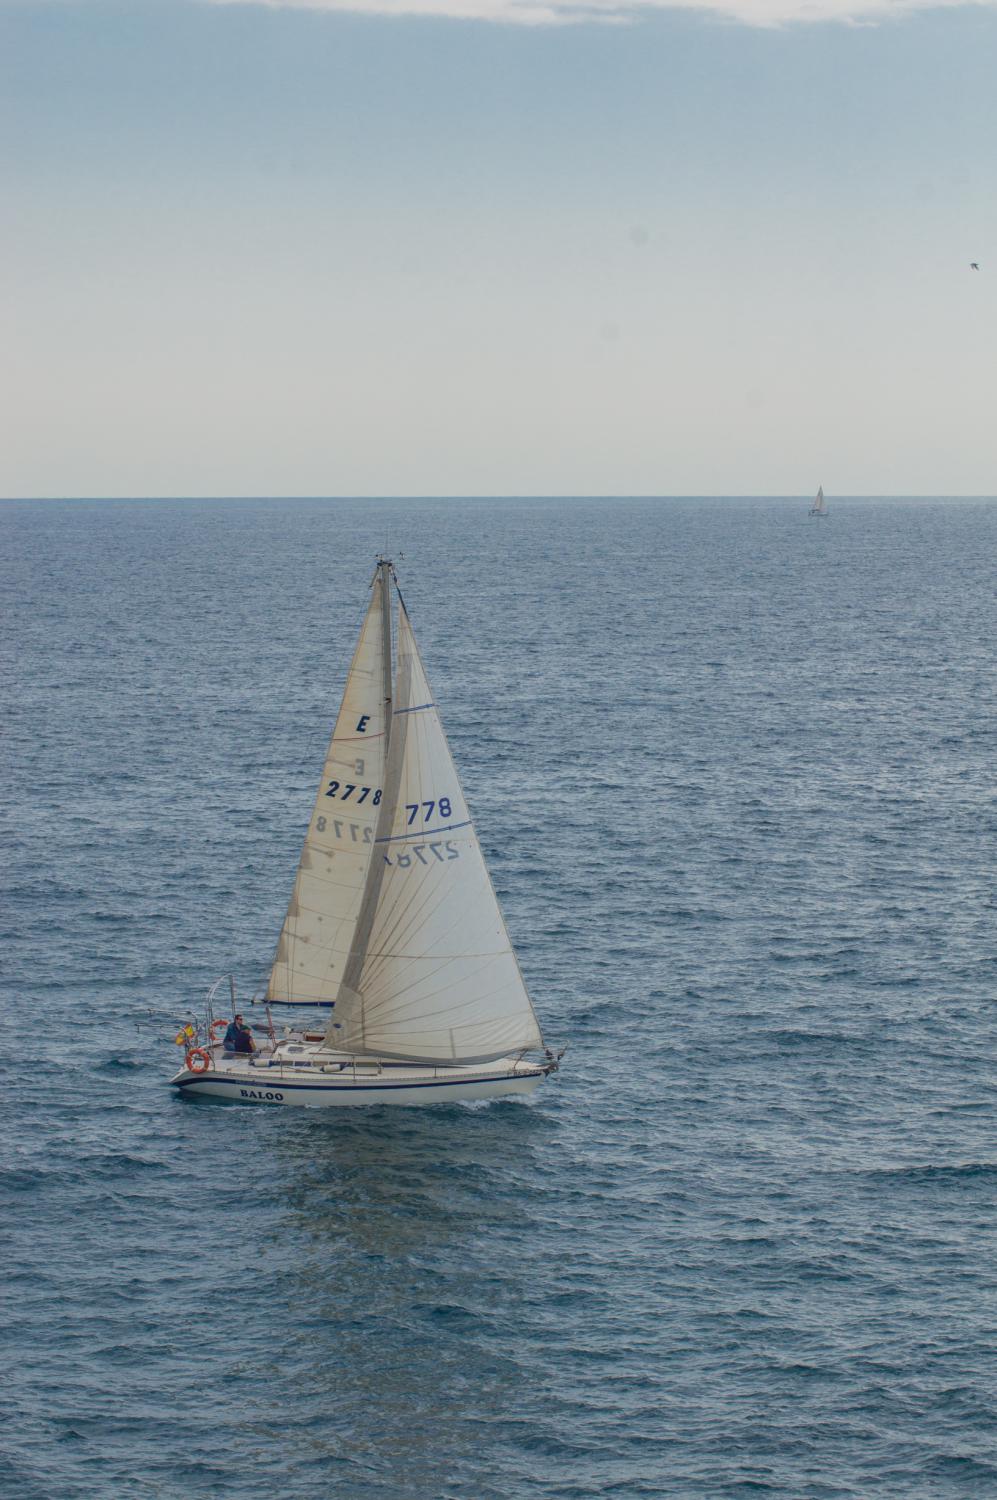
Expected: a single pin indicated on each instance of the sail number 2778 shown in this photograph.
(336, 789)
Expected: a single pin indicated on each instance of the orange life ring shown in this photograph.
(214, 1027)
(198, 1061)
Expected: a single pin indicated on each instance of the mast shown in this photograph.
(384, 579)
(372, 885)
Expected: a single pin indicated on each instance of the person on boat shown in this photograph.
(239, 1038)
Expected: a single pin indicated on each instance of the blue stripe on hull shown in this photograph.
(346, 1088)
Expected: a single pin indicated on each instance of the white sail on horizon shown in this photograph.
(318, 930)
(436, 977)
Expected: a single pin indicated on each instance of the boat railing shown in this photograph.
(209, 999)
(356, 1068)
(359, 1068)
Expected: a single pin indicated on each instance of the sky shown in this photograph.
(497, 247)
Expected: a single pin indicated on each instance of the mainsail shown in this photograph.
(318, 930)
(819, 508)
(432, 976)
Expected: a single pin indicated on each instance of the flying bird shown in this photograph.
(974, 265)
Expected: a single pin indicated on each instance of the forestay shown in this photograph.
(318, 930)
(434, 977)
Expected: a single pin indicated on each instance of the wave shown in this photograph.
(933, 1172)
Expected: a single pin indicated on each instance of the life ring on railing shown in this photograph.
(198, 1061)
(214, 1027)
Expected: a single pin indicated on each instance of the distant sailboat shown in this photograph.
(393, 925)
(819, 508)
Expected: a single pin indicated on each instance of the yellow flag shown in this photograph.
(180, 1039)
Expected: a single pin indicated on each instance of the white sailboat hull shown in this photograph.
(267, 1081)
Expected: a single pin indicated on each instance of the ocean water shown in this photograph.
(733, 773)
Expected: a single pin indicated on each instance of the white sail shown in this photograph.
(435, 975)
(318, 930)
(818, 507)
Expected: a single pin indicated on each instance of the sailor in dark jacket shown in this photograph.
(239, 1038)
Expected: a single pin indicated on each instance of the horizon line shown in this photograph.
(523, 495)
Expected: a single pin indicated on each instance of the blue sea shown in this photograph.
(732, 770)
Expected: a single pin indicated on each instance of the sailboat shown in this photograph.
(819, 508)
(393, 929)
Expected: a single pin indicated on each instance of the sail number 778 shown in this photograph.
(442, 807)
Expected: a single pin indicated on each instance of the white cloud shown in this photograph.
(567, 12)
